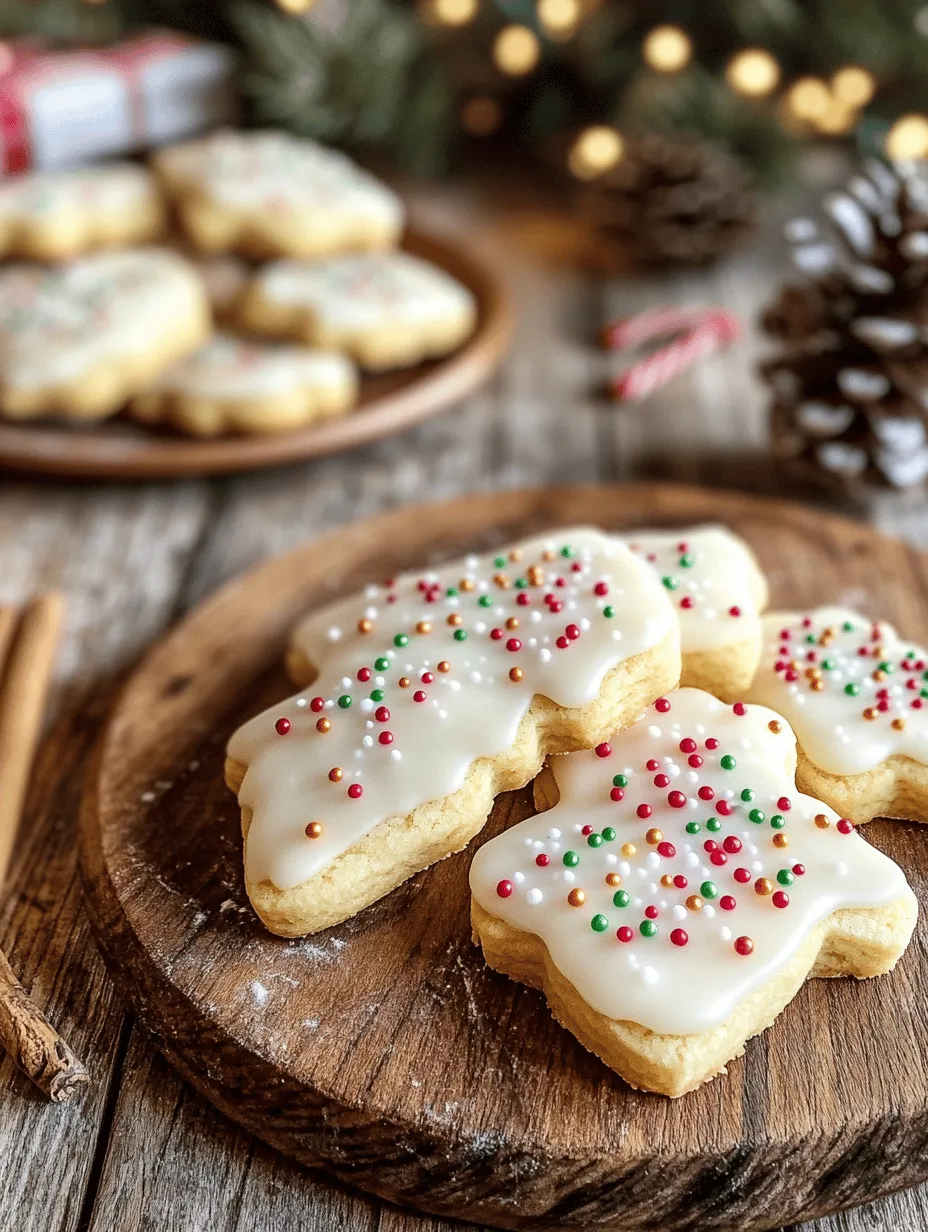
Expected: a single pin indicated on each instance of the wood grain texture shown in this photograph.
(383, 1048)
(132, 558)
(387, 403)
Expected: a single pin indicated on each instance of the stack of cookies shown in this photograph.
(701, 772)
(116, 277)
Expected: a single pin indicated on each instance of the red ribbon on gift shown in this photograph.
(699, 332)
(26, 67)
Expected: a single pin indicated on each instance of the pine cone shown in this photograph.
(850, 386)
(673, 201)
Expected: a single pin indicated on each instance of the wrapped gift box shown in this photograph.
(61, 108)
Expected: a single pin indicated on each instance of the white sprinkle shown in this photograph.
(334, 633)
(534, 896)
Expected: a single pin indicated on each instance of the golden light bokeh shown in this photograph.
(753, 72)
(481, 116)
(667, 49)
(454, 12)
(559, 17)
(908, 138)
(596, 150)
(836, 119)
(293, 6)
(809, 98)
(853, 86)
(516, 50)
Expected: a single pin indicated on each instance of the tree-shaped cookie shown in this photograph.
(857, 697)
(680, 891)
(436, 691)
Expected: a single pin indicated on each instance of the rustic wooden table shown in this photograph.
(140, 1150)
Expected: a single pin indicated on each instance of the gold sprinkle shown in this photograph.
(822, 821)
(780, 839)
(444, 666)
(515, 554)
(628, 850)
(763, 885)
(898, 725)
(869, 713)
(877, 652)
(775, 726)
(653, 836)
(323, 725)
(501, 581)
(515, 674)
(424, 626)
(694, 902)
(536, 576)
(878, 675)
(816, 685)
(365, 625)
(336, 774)
(314, 829)
(547, 554)
(455, 619)
(466, 584)
(576, 897)
(403, 682)
(613, 879)
(512, 622)
(667, 881)
(813, 673)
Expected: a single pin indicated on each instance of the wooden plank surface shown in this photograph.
(141, 1150)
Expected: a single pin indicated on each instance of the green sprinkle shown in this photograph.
(521, 583)
(485, 600)
(670, 582)
(344, 701)
(810, 638)
(778, 821)
(599, 923)
(713, 824)
(686, 561)
(848, 626)
(758, 816)
(621, 898)
(747, 795)
(923, 693)
(709, 889)
(693, 827)
(852, 689)
(451, 592)
(620, 780)
(401, 639)
(728, 762)
(500, 562)
(571, 859)
(647, 928)
(785, 877)
(382, 663)
(828, 665)
(609, 611)
(377, 695)
(609, 834)
(460, 635)
(594, 840)
(886, 667)
(567, 551)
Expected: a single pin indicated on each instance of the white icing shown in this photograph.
(367, 291)
(56, 324)
(806, 674)
(696, 986)
(712, 579)
(108, 189)
(232, 368)
(260, 171)
(471, 711)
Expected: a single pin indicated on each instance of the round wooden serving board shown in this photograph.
(388, 403)
(383, 1049)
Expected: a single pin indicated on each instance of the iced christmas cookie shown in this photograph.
(386, 310)
(231, 385)
(268, 194)
(718, 590)
(54, 216)
(857, 697)
(82, 338)
(434, 692)
(681, 889)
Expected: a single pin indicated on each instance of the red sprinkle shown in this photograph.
(624, 933)
(799, 870)
(364, 675)
(504, 888)
(651, 912)
(382, 714)
(600, 589)
(732, 844)
(355, 791)
(662, 705)
(780, 899)
(385, 737)
(784, 804)
(740, 709)
(727, 903)
(680, 881)
(604, 749)
(667, 850)
(706, 793)
(744, 946)
(316, 704)
(688, 745)
(845, 826)
(617, 794)
(513, 644)
(743, 875)
(723, 808)
(643, 810)
(712, 744)
(418, 696)
(572, 632)
(734, 611)
(679, 936)
(282, 726)
(542, 860)
(676, 799)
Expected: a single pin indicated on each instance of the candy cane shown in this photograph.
(700, 332)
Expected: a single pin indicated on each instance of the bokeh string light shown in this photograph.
(596, 150)
(516, 50)
(908, 138)
(667, 49)
(753, 72)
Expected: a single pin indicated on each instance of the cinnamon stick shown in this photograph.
(26, 663)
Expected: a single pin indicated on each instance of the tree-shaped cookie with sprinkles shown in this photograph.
(857, 697)
(431, 693)
(718, 590)
(681, 890)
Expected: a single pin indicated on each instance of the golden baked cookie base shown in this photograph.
(405, 844)
(68, 235)
(858, 942)
(725, 671)
(897, 787)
